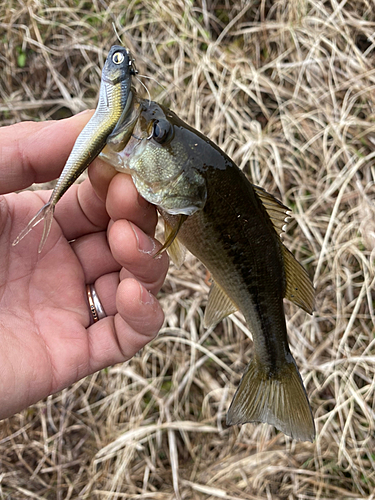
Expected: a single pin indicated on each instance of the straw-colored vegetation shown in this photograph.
(287, 89)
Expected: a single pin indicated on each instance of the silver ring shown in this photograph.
(96, 308)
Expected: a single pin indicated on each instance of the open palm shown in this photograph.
(102, 234)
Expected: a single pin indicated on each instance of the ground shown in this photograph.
(286, 89)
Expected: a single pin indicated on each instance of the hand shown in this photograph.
(46, 336)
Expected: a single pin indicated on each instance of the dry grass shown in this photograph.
(287, 89)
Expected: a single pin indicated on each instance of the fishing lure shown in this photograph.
(110, 113)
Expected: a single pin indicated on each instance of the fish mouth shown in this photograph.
(125, 118)
(131, 147)
(122, 143)
(129, 103)
(123, 130)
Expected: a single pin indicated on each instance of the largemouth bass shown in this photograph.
(233, 227)
(110, 112)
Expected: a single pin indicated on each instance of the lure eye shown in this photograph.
(118, 57)
(161, 131)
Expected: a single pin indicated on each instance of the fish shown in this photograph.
(233, 227)
(111, 110)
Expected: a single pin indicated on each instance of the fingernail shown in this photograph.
(145, 244)
(146, 297)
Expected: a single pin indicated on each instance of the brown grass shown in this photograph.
(286, 88)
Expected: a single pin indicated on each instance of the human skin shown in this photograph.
(46, 332)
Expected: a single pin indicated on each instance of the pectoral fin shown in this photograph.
(170, 237)
(219, 306)
(176, 249)
(299, 288)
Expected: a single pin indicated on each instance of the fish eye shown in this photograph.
(161, 131)
(118, 57)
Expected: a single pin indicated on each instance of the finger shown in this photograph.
(139, 308)
(79, 212)
(131, 248)
(101, 175)
(36, 151)
(106, 288)
(124, 202)
(134, 250)
(95, 256)
(117, 339)
(128, 298)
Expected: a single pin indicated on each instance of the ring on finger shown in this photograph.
(96, 307)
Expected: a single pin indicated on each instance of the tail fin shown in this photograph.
(279, 399)
(46, 214)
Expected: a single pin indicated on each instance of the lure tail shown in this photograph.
(46, 214)
(278, 399)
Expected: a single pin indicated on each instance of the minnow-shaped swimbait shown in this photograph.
(110, 112)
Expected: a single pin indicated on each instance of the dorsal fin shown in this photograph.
(219, 306)
(299, 288)
(277, 212)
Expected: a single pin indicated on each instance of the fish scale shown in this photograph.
(232, 227)
(254, 287)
